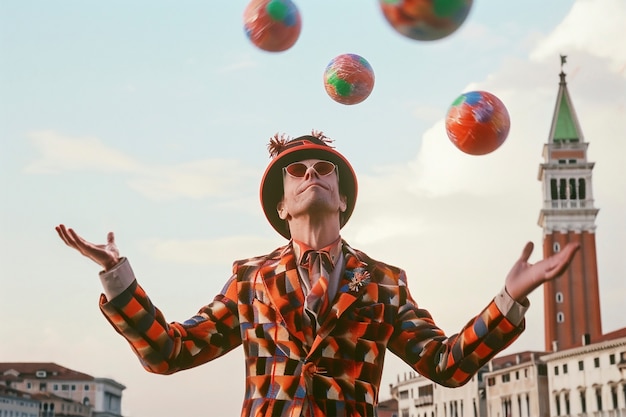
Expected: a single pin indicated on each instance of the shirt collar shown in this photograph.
(334, 250)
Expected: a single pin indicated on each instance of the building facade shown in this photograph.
(51, 405)
(63, 391)
(420, 397)
(589, 380)
(517, 386)
(14, 403)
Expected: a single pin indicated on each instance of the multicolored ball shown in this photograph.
(477, 123)
(272, 25)
(425, 20)
(349, 79)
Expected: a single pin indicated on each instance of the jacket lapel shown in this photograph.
(284, 290)
(347, 294)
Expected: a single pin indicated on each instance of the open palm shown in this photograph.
(105, 255)
(524, 277)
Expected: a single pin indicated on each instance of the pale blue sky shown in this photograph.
(151, 119)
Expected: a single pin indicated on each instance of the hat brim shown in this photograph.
(272, 182)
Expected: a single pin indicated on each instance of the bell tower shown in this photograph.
(571, 302)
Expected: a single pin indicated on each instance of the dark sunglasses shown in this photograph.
(298, 169)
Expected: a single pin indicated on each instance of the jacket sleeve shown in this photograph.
(450, 361)
(165, 348)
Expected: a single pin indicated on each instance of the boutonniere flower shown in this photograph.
(358, 277)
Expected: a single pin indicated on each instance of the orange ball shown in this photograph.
(349, 79)
(425, 20)
(272, 25)
(477, 123)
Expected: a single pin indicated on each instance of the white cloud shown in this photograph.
(63, 153)
(205, 251)
(594, 27)
(194, 179)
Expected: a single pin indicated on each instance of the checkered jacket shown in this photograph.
(261, 307)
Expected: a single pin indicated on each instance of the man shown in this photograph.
(315, 316)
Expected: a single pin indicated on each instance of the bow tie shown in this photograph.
(321, 257)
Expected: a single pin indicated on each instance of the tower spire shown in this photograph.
(565, 126)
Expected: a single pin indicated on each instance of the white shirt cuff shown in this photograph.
(117, 279)
(511, 309)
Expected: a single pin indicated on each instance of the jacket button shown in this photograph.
(309, 369)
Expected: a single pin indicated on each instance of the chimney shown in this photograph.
(555, 346)
(586, 339)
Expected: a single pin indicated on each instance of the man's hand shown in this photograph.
(107, 255)
(524, 277)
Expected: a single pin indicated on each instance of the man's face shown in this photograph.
(311, 187)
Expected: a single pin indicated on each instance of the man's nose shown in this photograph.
(310, 172)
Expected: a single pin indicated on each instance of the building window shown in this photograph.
(554, 194)
(583, 402)
(564, 368)
(542, 370)
(557, 402)
(43, 386)
(572, 188)
(596, 362)
(491, 381)
(567, 408)
(581, 188)
(599, 398)
(506, 377)
(556, 247)
(516, 375)
(507, 407)
(556, 370)
(404, 395)
(559, 297)
(560, 317)
(55, 387)
(562, 189)
(581, 365)
(612, 358)
(614, 396)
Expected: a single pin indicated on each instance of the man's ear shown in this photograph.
(280, 208)
(343, 203)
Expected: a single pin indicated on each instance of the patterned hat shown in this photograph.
(283, 151)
